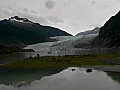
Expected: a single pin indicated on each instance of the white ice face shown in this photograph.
(64, 44)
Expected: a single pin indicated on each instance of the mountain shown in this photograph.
(52, 32)
(28, 32)
(19, 32)
(109, 35)
(94, 31)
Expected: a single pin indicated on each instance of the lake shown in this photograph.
(72, 78)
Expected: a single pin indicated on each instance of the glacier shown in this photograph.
(65, 45)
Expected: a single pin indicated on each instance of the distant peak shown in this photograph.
(18, 19)
(97, 28)
(15, 17)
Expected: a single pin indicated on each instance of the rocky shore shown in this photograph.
(106, 68)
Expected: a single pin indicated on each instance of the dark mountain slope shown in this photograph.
(23, 30)
(111, 27)
(51, 32)
(17, 32)
(109, 35)
(94, 31)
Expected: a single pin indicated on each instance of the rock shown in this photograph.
(73, 69)
(89, 70)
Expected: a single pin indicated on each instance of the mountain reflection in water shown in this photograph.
(11, 77)
(72, 78)
(115, 76)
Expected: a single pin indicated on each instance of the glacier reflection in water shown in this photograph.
(72, 78)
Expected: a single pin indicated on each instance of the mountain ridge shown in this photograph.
(94, 31)
(23, 31)
(109, 35)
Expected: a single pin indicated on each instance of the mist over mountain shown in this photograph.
(94, 31)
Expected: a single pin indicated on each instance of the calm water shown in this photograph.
(59, 79)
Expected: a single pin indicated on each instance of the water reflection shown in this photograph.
(72, 78)
(115, 76)
(13, 77)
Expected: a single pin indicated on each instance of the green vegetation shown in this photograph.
(66, 61)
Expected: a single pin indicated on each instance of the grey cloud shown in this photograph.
(55, 19)
(40, 20)
(29, 11)
(67, 3)
(32, 11)
(93, 2)
(49, 4)
(46, 20)
(9, 12)
(30, 14)
(25, 9)
(6, 12)
(34, 17)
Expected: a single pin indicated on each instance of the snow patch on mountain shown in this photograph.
(94, 31)
(18, 19)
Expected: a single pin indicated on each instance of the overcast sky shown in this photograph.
(72, 16)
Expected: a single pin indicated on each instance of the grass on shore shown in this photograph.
(66, 61)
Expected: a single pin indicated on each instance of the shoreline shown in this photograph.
(105, 68)
(104, 62)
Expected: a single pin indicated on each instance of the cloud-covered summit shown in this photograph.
(49, 4)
